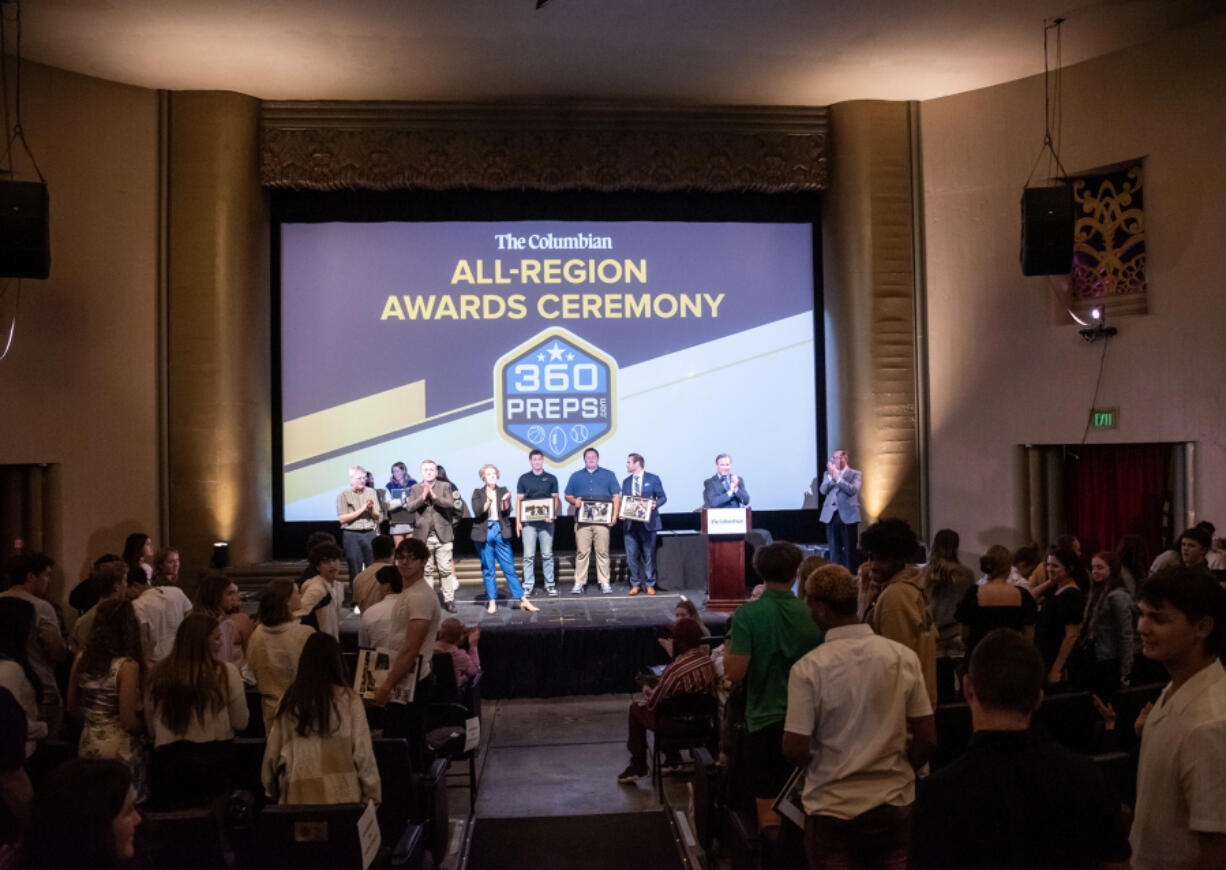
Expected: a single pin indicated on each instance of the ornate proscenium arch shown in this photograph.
(440, 146)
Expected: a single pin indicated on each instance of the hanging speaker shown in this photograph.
(25, 234)
(1047, 230)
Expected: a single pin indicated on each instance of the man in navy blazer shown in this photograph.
(840, 490)
(725, 489)
(640, 535)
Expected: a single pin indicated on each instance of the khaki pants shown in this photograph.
(588, 538)
(438, 567)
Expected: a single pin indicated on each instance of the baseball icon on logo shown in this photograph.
(558, 386)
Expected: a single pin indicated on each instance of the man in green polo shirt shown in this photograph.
(770, 634)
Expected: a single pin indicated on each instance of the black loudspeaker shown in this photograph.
(1047, 230)
(25, 234)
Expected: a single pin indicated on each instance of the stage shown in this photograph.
(590, 644)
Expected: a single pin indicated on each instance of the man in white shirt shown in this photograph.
(1180, 819)
(851, 702)
(376, 623)
(31, 576)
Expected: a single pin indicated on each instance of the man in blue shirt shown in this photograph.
(592, 484)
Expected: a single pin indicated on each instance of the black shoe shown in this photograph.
(449, 606)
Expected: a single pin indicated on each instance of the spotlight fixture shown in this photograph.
(1097, 326)
(221, 555)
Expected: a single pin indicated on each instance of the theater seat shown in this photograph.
(309, 837)
(185, 840)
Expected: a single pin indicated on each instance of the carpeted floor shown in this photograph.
(645, 841)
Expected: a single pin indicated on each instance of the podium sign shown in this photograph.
(728, 521)
(724, 530)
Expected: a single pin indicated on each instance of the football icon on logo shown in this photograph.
(556, 383)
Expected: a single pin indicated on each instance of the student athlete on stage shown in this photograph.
(592, 483)
(536, 484)
(641, 536)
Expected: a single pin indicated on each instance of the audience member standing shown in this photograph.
(1060, 617)
(359, 511)
(414, 628)
(1108, 634)
(196, 704)
(366, 590)
(138, 555)
(105, 690)
(901, 612)
(276, 644)
(16, 673)
(218, 597)
(376, 624)
(1180, 819)
(108, 580)
(850, 705)
(46, 644)
(1014, 799)
(161, 608)
(946, 579)
(771, 634)
(997, 603)
(323, 594)
(319, 749)
(16, 791)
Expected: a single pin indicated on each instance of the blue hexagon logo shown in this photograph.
(556, 393)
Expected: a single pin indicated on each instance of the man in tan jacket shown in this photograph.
(901, 611)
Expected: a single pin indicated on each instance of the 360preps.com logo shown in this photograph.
(555, 392)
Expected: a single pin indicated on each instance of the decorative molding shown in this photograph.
(438, 146)
(1109, 241)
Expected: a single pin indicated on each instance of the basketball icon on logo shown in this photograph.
(555, 392)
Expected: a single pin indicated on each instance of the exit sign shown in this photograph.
(1104, 418)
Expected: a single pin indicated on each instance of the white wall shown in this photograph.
(1003, 373)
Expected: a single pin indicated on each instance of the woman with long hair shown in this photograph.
(1109, 626)
(196, 704)
(104, 691)
(996, 603)
(1060, 618)
(276, 644)
(138, 555)
(318, 749)
(218, 596)
(16, 673)
(491, 529)
(946, 580)
(84, 818)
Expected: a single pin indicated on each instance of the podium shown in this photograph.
(724, 530)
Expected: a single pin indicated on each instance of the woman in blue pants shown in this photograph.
(491, 507)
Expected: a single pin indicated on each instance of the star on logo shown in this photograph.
(570, 357)
(555, 352)
(540, 357)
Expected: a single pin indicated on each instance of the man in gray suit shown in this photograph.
(432, 503)
(840, 490)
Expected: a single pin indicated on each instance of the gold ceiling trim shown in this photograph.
(441, 146)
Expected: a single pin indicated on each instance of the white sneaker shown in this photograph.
(578, 590)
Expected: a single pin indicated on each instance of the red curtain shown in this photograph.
(1112, 490)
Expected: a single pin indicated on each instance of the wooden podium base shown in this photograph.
(725, 568)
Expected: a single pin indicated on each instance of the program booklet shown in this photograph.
(372, 668)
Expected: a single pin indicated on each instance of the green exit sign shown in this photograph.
(1104, 418)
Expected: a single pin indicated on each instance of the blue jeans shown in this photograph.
(496, 549)
(358, 553)
(532, 533)
(641, 553)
